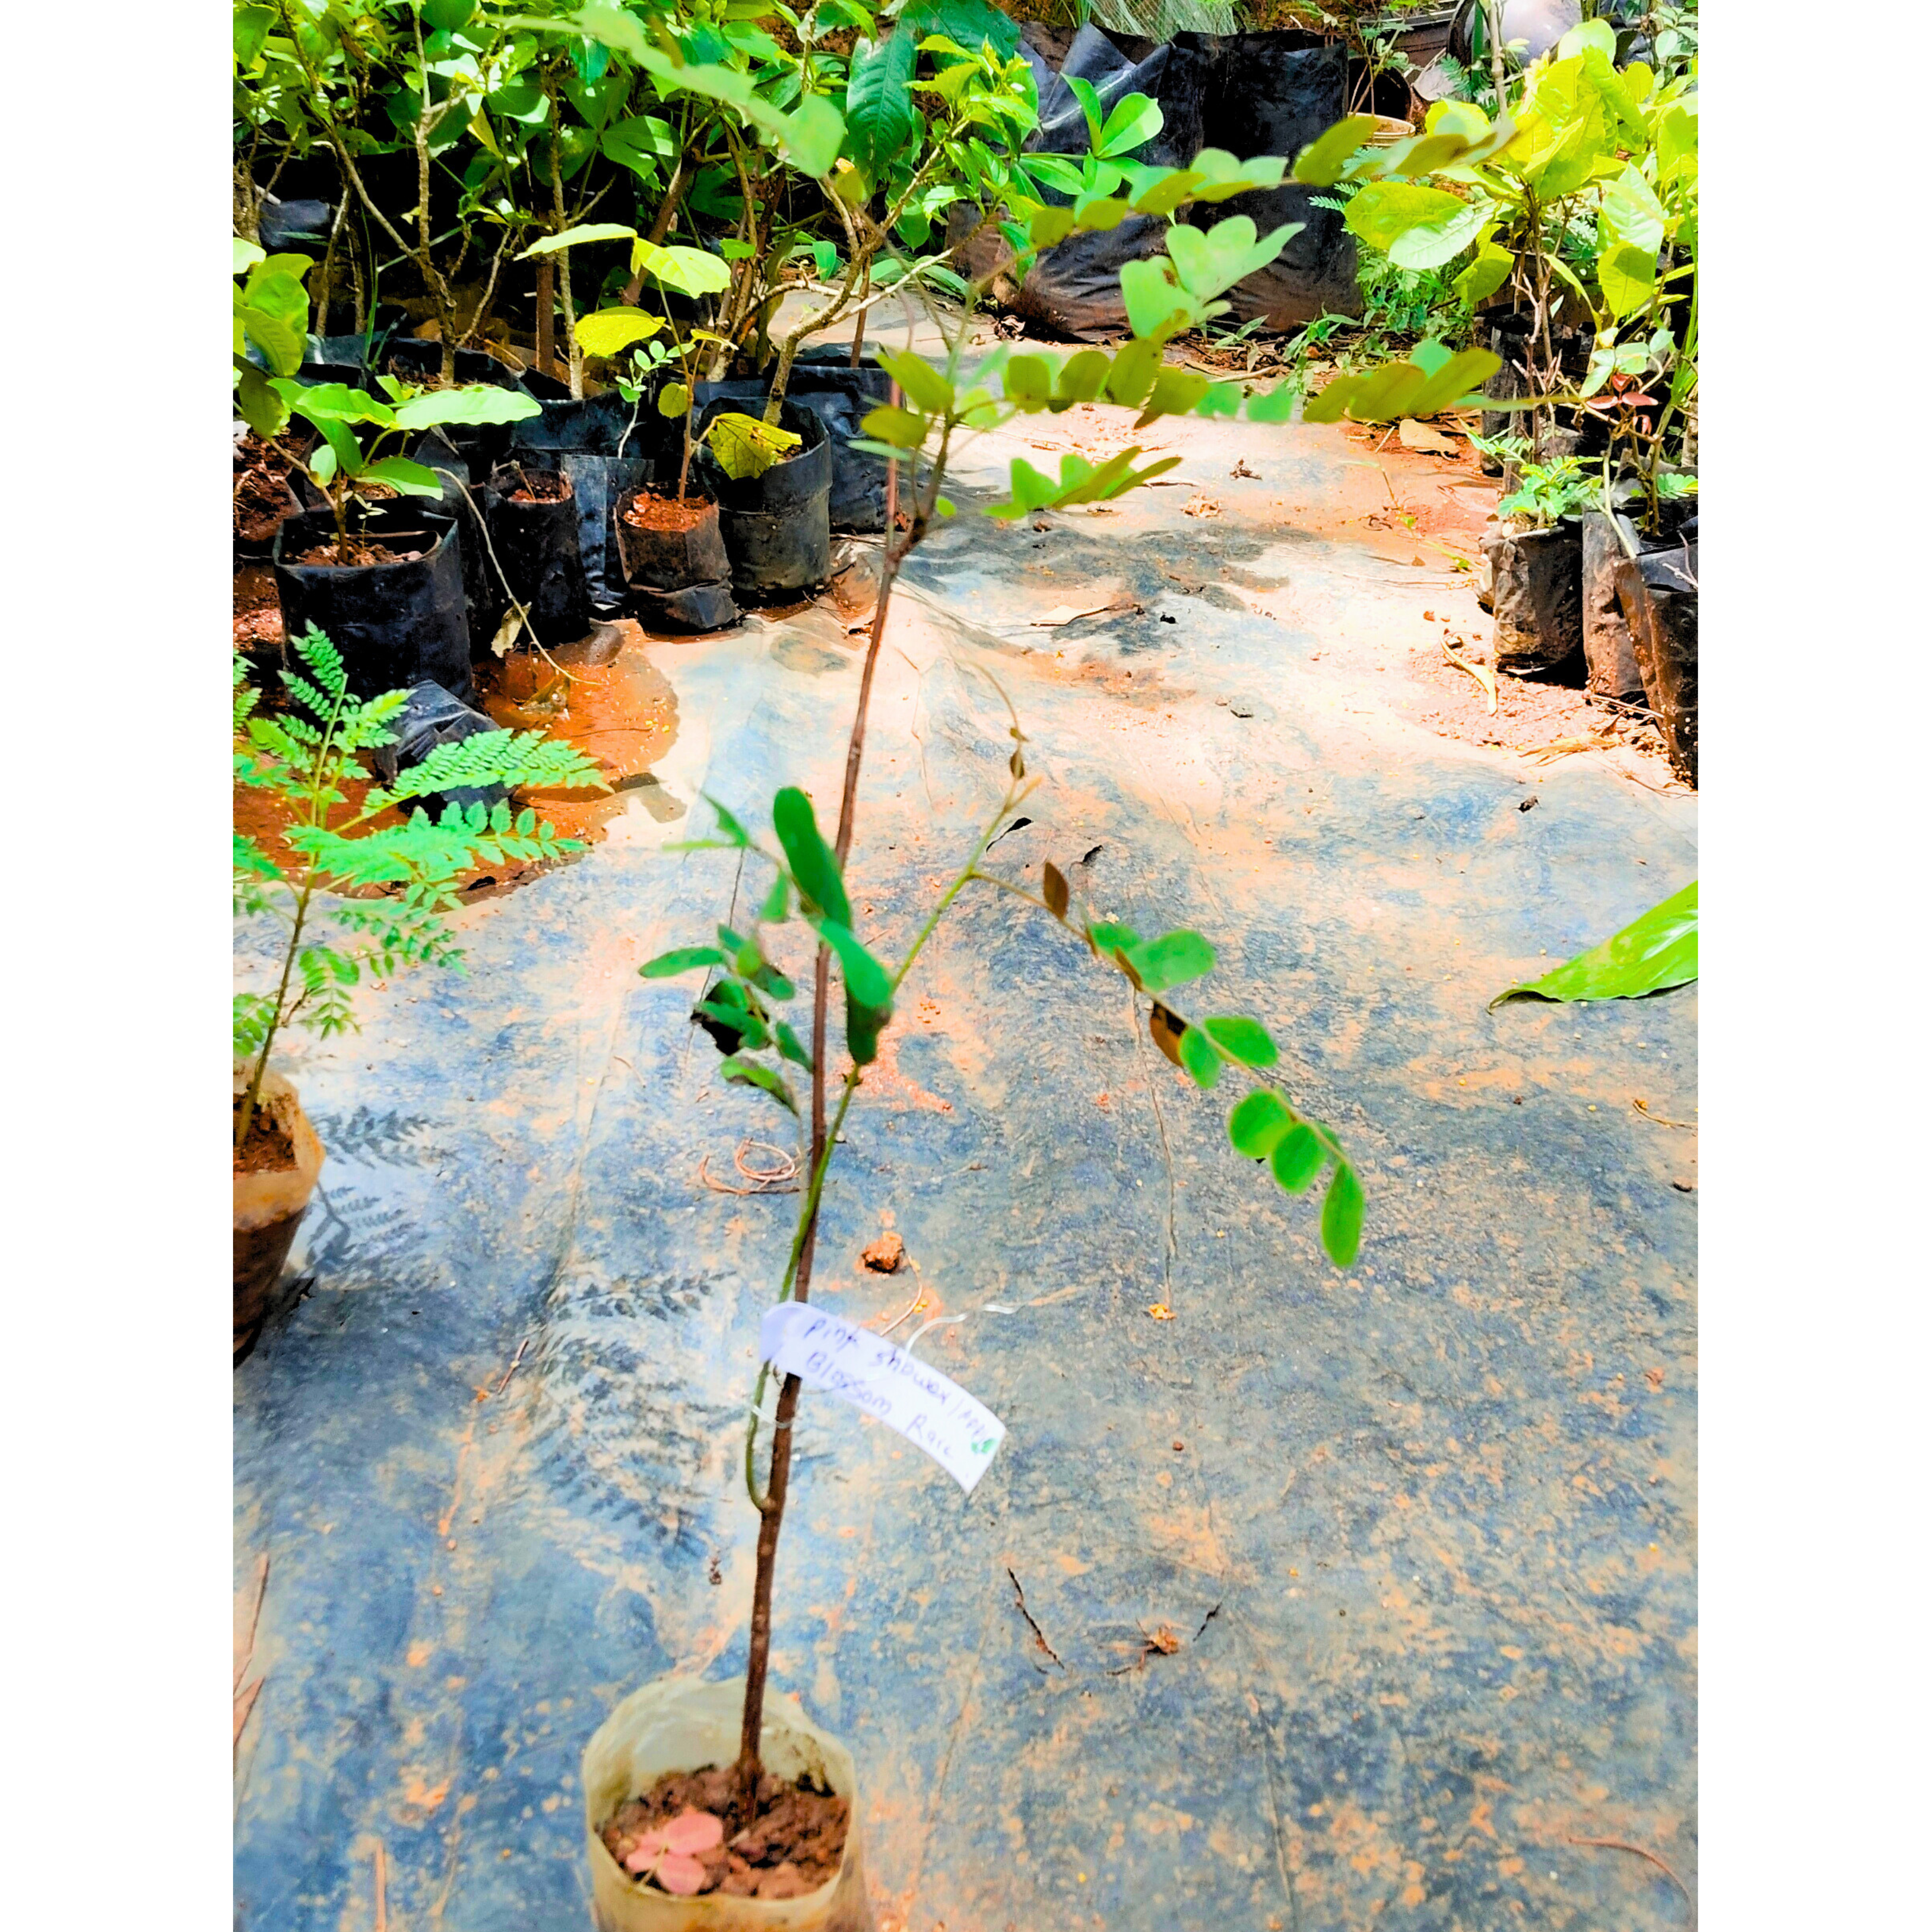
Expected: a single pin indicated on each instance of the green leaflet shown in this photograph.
(814, 869)
(1342, 1217)
(1172, 960)
(680, 959)
(1649, 955)
(1241, 1038)
(1259, 1122)
(1298, 1157)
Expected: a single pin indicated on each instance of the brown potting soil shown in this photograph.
(258, 612)
(268, 1148)
(666, 513)
(262, 497)
(792, 1846)
(361, 553)
(541, 486)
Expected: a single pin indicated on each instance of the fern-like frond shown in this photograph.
(254, 1014)
(525, 758)
(324, 661)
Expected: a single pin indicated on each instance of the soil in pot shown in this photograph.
(276, 1169)
(777, 527)
(674, 560)
(397, 612)
(1536, 584)
(676, 1837)
(532, 512)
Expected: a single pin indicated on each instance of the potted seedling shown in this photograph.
(345, 838)
(380, 571)
(785, 1796)
(1534, 561)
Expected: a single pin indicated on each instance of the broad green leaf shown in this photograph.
(790, 1045)
(1154, 302)
(611, 331)
(1241, 1038)
(1133, 120)
(880, 116)
(476, 403)
(756, 1074)
(814, 869)
(262, 409)
(246, 254)
(863, 1026)
(1210, 261)
(1297, 1158)
(1174, 393)
(899, 427)
(1029, 380)
(1202, 1062)
(1107, 936)
(641, 143)
(1488, 270)
(1258, 1123)
(1319, 164)
(1628, 276)
(690, 271)
(680, 959)
(674, 400)
(1088, 96)
(1131, 378)
(1631, 211)
(333, 402)
(966, 23)
(1386, 211)
(1649, 955)
(1597, 34)
(746, 448)
(925, 388)
(253, 26)
(1081, 378)
(1342, 1217)
(399, 473)
(579, 237)
(1172, 960)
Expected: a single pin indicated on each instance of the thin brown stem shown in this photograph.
(772, 1513)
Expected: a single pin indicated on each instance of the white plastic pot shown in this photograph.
(680, 1723)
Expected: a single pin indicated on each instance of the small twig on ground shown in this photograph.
(1623, 1845)
(1205, 1622)
(512, 1368)
(382, 1888)
(1643, 1108)
(1039, 1635)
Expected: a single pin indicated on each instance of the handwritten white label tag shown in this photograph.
(931, 1412)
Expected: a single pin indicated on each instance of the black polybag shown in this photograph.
(581, 438)
(395, 624)
(432, 717)
(823, 382)
(1250, 94)
(538, 547)
(777, 529)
